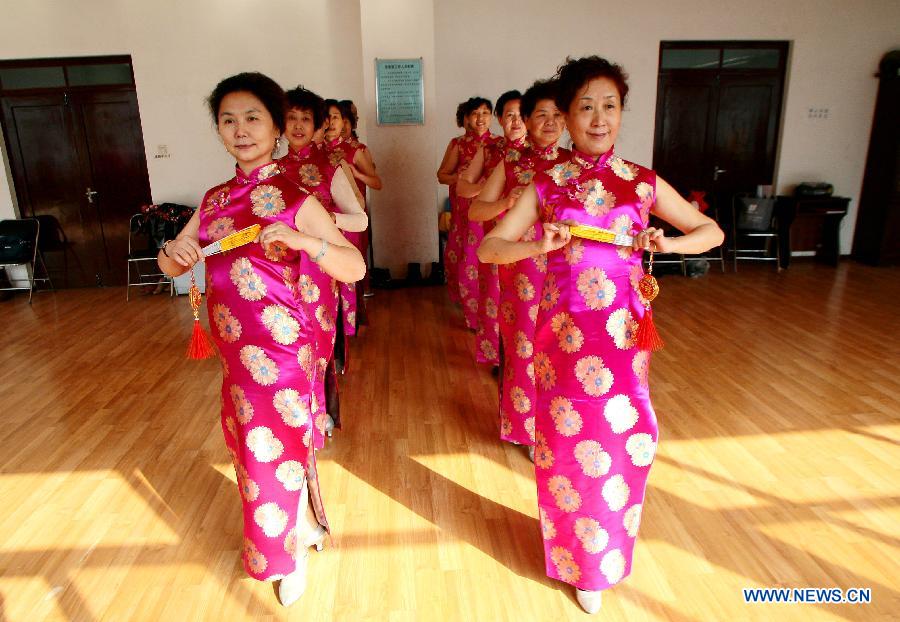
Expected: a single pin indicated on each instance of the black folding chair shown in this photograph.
(753, 218)
(142, 250)
(19, 247)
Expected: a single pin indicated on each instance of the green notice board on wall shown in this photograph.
(399, 91)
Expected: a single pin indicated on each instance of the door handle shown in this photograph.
(717, 171)
(90, 194)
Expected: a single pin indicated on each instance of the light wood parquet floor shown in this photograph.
(778, 464)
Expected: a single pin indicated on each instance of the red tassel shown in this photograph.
(200, 346)
(647, 336)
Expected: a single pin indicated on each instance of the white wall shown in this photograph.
(404, 221)
(180, 50)
(489, 47)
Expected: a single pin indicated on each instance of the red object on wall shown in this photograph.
(698, 199)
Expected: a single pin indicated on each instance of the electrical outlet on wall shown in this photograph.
(818, 113)
(162, 151)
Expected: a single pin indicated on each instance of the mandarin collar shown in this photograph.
(550, 152)
(484, 137)
(301, 154)
(520, 143)
(592, 162)
(260, 173)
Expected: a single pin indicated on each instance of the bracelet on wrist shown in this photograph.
(321, 253)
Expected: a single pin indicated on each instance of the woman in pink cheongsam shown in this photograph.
(448, 174)
(355, 153)
(267, 312)
(521, 283)
(351, 114)
(595, 429)
(353, 139)
(361, 165)
(478, 116)
(471, 182)
(310, 168)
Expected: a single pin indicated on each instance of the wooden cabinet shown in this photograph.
(810, 223)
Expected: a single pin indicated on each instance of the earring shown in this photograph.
(277, 144)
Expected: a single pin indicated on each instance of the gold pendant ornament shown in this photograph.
(648, 285)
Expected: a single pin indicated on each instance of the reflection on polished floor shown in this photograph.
(778, 466)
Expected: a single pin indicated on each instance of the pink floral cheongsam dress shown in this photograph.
(312, 171)
(470, 234)
(487, 336)
(453, 247)
(520, 287)
(351, 298)
(267, 316)
(595, 428)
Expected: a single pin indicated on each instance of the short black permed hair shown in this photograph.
(348, 111)
(261, 86)
(508, 96)
(303, 99)
(575, 73)
(540, 90)
(474, 103)
(332, 103)
(461, 114)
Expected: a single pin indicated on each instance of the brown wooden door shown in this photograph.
(44, 149)
(743, 155)
(79, 156)
(717, 122)
(117, 169)
(685, 129)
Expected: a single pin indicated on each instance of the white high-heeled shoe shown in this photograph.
(291, 587)
(316, 538)
(531, 453)
(329, 426)
(590, 601)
